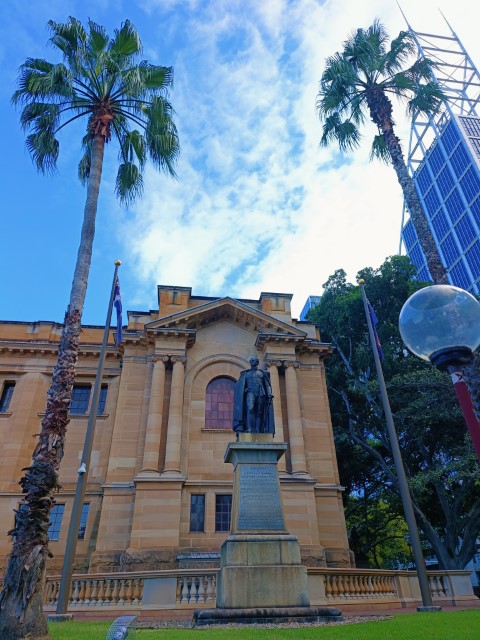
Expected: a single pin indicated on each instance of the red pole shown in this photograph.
(466, 405)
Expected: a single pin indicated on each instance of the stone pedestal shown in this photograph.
(260, 562)
(261, 576)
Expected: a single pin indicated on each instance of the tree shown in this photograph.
(357, 82)
(99, 80)
(442, 471)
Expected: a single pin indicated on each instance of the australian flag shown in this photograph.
(374, 320)
(117, 303)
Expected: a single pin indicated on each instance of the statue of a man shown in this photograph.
(252, 401)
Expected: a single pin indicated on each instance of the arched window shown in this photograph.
(219, 403)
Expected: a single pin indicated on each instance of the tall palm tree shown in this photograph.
(102, 81)
(357, 83)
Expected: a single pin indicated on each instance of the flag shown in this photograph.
(374, 320)
(117, 303)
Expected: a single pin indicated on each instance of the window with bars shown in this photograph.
(470, 184)
(56, 515)
(440, 224)
(475, 209)
(102, 401)
(6, 397)
(436, 159)
(460, 161)
(450, 249)
(82, 527)
(197, 512)
(423, 179)
(454, 206)
(450, 137)
(416, 256)
(471, 126)
(432, 202)
(80, 399)
(409, 235)
(465, 231)
(219, 403)
(445, 182)
(223, 509)
(459, 276)
(80, 402)
(473, 259)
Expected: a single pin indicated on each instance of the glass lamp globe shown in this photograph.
(441, 324)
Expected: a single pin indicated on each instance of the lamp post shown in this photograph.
(427, 604)
(441, 324)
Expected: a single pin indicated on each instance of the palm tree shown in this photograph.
(358, 82)
(101, 80)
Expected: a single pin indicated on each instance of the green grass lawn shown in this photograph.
(457, 625)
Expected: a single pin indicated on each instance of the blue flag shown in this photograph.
(117, 303)
(374, 320)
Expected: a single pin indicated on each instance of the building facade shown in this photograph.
(159, 492)
(310, 303)
(444, 160)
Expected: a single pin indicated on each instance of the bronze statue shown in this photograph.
(252, 401)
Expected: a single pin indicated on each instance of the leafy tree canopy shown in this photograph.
(443, 472)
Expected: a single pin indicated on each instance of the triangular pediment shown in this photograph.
(225, 309)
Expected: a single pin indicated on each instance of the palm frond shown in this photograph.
(162, 137)
(156, 77)
(39, 79)
(70, 38)
(126, 42)
(427, 99)
(344, 132)
(43, 148)
(97, 39)
(402, 48)
(129, 183)
(39, 114)
(380, 150)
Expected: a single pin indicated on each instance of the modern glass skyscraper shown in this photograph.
(444, 159)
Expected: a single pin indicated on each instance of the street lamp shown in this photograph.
(441, 324)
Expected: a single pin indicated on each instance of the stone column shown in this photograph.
(277, 408)
(295, 430)
(175, 416)
(151, 449)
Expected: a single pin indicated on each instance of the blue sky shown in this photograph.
(257, 206)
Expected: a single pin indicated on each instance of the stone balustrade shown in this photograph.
(174, 590)
(114, 590)
(196, 589)
(355, 585)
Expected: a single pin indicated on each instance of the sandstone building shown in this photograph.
(159, 492)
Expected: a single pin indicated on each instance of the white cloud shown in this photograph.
(259, 206)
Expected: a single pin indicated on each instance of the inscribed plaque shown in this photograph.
(260, 505)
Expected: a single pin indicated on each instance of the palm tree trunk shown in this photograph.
(425, 238)
(381, 113)
(21, 613)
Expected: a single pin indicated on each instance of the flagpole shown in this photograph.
(401, 475)
(72, 537)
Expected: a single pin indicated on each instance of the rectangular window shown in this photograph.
(5, 398)
(197, 512)
(56, 515)
(80, 399)
(83, 521)
(223, 509)
(102, 400)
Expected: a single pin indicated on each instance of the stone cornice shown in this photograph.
(23, 347)
(278, 338)
(323, 349)
(189, 335)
